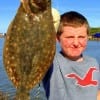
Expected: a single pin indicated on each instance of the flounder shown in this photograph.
(29, 45)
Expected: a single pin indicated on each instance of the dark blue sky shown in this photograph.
(89, 8)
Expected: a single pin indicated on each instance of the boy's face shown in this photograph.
(73, 41)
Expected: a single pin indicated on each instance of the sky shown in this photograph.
(89, 8)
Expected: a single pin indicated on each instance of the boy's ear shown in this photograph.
(57, 38)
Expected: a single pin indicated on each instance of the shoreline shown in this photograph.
(2, 35)
(89, 37)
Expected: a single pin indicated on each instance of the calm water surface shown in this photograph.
(93, 49)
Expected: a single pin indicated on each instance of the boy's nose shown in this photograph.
(75, 42)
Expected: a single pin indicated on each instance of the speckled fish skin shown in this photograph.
(29, 45)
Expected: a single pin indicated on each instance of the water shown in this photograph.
(5, 84)
(93, 49)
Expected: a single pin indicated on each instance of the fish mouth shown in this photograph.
(38, 5)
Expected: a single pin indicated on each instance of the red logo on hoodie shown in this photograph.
(86, 80)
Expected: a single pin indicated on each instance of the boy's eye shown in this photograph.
(69, 37)
(74, 37)
(81, 37)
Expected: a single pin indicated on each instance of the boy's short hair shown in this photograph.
(74, 19)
